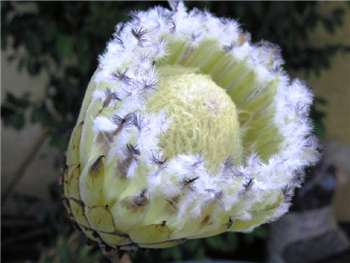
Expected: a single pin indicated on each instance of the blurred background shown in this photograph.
(48, 53)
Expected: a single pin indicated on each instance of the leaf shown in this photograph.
(219, 243)
(64, 46)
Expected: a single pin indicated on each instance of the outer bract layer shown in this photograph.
(187, 130)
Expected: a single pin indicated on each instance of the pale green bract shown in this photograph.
(187, 130)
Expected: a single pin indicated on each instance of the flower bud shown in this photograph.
(187, 130)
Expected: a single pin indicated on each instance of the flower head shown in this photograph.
(187, 130)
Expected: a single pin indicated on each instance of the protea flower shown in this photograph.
(187, 130)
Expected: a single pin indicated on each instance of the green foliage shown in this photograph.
(62, 40)
(14, 110)
(226, 246)
(69, 249)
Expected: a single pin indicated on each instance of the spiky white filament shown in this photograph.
(103, 124)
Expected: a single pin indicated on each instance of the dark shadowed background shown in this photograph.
(49, 52)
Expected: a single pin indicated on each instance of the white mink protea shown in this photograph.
(187, 130)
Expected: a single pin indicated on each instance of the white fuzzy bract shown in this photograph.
(129, 62)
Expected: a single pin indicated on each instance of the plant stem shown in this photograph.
(20, 172)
